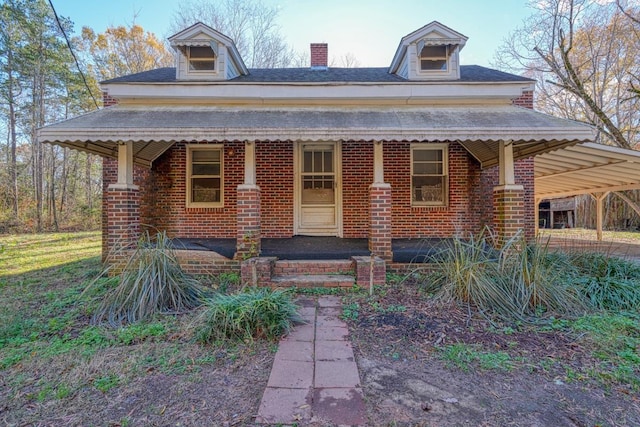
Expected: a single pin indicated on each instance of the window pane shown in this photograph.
(317, 161)
(202, 65)
(202, 52)
(205, 155)
(328, 161)
(438, 65)
(427, 168)
(434, 52)
(206, 169)
(428, 189)
(427, 155)
(205, 190)
(308, 161)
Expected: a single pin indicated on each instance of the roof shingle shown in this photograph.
(468, 73)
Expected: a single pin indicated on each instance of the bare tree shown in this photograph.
(250, 23)
(583, 53)
(634, 17)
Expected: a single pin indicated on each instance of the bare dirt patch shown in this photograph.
(424, 363)
(225, 391)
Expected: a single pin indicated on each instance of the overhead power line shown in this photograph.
(73, 54)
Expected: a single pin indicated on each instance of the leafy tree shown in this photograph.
(121, 50)
(250, 23)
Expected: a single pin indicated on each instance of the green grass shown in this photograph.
(50, 351)
(468, 356)
(27, 253)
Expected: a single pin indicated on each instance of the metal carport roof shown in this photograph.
(587, 168)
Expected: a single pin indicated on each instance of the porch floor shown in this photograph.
(322, 248)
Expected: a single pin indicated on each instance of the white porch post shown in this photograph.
(378, 162)
(125, 164)
(249, 163)
(505, 158)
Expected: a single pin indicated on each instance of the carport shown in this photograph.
(588, 168)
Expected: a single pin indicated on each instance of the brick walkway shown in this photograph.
(314, 377)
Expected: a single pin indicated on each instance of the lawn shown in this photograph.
(58, 369)
(423, 360)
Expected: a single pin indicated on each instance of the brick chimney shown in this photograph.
(319, 56)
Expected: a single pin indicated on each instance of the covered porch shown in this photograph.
(495, 135)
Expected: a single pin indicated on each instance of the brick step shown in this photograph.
(284, 268)
(313, 281)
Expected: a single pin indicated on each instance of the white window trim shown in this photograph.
(187, 54)
(202, 147)
(445, 169)
(446, 57)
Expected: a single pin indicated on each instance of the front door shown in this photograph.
(317, 188)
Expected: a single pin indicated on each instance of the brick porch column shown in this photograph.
(248, 218)
(123, 217)
(380, 220)
(508, 211)
(123, 207)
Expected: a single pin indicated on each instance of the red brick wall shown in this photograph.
(357, 176)
(470, 192)
(525, 100)
(274, 168)
(108, 101)
(167, 200)
(482, 183)
(421, 221)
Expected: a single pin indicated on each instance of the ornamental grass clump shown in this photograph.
(247, 315)
(150, 282)
(517, 282)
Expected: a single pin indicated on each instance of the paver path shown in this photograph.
(314, 377)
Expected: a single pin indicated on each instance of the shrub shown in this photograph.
(151, 282)
(254, 313)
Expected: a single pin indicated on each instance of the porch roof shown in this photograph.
(153, 129)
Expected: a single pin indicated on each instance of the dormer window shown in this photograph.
(201, 58)
(434, 58)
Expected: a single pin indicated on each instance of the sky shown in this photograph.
(370, 30)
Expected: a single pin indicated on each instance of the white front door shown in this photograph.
(317, 189)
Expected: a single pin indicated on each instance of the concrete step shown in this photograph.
(285, 267)
(313, 281)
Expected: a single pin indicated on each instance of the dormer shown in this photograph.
(203, 53)
(430, 53)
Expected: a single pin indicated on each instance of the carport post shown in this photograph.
(599, 212)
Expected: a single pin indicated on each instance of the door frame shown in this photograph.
(297, 187)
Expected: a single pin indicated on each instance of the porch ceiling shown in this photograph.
(478, 128)
(586, 169)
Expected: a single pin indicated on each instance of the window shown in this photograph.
(201, 58)
(434, 58)
(204, 176)
(429, 175)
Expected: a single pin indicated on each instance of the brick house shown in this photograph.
(211, 151)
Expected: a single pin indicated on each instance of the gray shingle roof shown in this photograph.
(468, 73)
